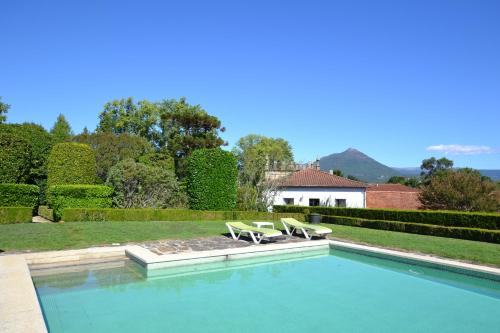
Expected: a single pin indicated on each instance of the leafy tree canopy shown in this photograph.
(4, 108)
(463, 189)
(187, 128)
(431, 166)
(111, 148)
(408, 181)
(61, 131)
(337, 172)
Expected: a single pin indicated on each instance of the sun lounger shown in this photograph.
(257, 234)
(291, 225)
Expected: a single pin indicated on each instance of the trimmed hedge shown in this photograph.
(19, 195)
(60, 197)
(483, 235)
(71, 163)
(443, 218)
(15, 158)
(46, 212)
(15, 215)
(148, 214)
(211, 180)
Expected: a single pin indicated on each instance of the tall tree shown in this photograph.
(112, 148)
(125, 116)
(61, 131)
(187, 128)
(256, 154)
(463, 189)
(4, 108)
(432, 166)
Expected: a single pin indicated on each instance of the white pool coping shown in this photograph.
(20, 311)
(152, 260)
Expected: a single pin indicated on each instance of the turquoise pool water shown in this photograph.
(327, 292)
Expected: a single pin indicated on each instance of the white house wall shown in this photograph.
(355, 197)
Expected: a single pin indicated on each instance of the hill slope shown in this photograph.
(353, 162)
(415, 172)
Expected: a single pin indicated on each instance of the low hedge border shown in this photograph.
(60, 197)
(483, 235)
(146, 214)
(10, 215)
(443, 218)
(46, 212)
(19, 195)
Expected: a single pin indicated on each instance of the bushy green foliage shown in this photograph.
(116, 214)
(138, 185)
(15, 153)
(76, 196)
(15, 215)
(19, 195)
(483, 235)
(158, 159)
(211, 180)
(40, 145)
(71, 163)
(463, 189)
(444, 218)
(110, 148)
(46, 212)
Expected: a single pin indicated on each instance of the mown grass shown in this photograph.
(36, 237)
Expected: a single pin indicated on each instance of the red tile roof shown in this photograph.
(316, 178)
(390, 188)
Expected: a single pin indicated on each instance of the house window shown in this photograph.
(289, 201)
(313, 202)
(340, 203)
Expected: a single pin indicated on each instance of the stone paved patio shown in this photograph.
(171, 246)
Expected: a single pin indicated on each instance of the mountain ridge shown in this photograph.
(356, 163)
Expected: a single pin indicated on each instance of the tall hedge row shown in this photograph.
(60, 197)
(15, 153)
(444, 218)
(148, 214)
(211, 180)
(71, 163)
(19, 195)
(477, 234)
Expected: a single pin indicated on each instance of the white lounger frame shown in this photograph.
(290, 229)
(257, 237)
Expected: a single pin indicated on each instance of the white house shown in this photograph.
(311, 187)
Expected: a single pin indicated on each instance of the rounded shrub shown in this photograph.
(71, 163)
(15, 156)
(211, 179)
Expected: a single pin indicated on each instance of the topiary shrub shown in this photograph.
(71, 163)
(78, 196)
(15, 155)
(211, 180)
(138, 185)
(19, 195)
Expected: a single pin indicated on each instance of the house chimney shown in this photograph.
(330, 172)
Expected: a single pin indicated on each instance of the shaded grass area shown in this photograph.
(32, 236)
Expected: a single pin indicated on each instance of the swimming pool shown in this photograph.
(317, 291)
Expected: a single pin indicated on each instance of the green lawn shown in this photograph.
(31, 236)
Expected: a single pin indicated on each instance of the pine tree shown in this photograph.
(61, 131)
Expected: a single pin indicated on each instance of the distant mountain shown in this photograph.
(413, 172)
(353, 162)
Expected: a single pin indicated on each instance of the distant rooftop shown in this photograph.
(316, 178)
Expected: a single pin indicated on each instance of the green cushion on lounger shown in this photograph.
(297, 224)
(265, 231)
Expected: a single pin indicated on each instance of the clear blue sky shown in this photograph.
(390, 78)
